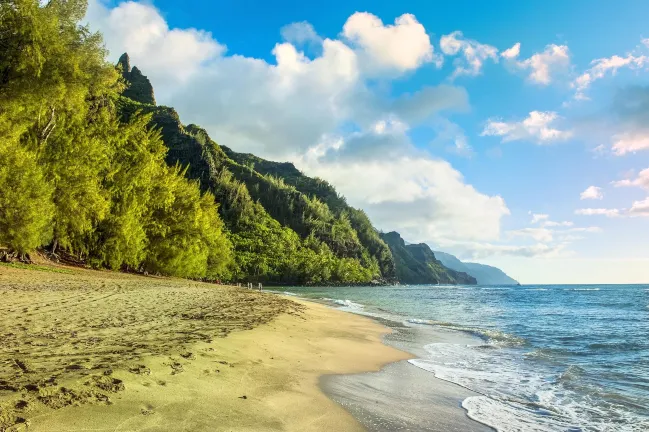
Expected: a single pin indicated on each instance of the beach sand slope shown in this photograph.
(101, 351)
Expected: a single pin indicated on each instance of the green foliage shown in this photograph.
(74, 172)
(279, 235)
(186, 237)
(25, 201)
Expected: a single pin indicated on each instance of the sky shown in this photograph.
(509, 133)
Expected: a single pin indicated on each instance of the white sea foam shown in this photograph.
(516, 398)
(288, 293)
(346, 305)
(581, 289)
(493, 336)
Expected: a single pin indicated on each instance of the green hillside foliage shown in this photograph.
(416, 264)
(321, 190)
(77, 179)
(279, 235)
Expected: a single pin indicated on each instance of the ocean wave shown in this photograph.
(288, 293)
(493, 336)
(514, 398)
(537, 289)
(495, 289)
(581, 289)
(346, 304)
(508, 416)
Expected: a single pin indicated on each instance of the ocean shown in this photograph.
(543, 357)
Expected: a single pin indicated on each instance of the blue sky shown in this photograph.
(454, 123)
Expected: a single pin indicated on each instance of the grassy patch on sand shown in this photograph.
(35, 267)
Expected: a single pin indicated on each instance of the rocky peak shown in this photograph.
(139, 87)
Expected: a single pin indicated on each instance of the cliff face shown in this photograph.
(139, 87)
(485, 275)
(417, 264)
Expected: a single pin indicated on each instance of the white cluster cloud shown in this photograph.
(592, 192)
(630, 142)
(401, 189)
(642, 181)
(300, 108)
(536, 127)
(403, 46)
(608, 212)
(539, 217)
(599, 69)
(640, 208)
(139, 29)
(473, 52)
(543, 66)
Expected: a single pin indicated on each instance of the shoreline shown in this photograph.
(401, 396)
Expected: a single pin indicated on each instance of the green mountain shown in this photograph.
(417, 264)
(485, 275)
(278, 217)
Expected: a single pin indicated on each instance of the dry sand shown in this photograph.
(101, 351)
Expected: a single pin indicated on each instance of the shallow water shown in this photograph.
(548, 358)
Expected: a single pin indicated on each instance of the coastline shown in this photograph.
(401, 396)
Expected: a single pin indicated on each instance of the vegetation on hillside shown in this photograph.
(91, 168)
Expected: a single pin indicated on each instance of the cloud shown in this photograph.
(542, 67)
(322, 113)
(557, 224)
(600, 67)
(277, 108)
(406, 190)
(537, 217)
(139, 29)
(592, 229)
(512, 52)
(592, 192)
(403, 46)
(630, 143)
(473, 52)
(598, 212)
(539, 234)
(640, 208)
(642, 181)
(300, 33)
(452, 137)
(537, 127)
(478, 250)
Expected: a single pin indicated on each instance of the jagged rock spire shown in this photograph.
(139, 87)
(125, 62)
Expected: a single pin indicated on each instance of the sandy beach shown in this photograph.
(84, 350)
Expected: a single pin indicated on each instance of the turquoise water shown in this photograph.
(548, 357)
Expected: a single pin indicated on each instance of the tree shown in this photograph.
(25, 201)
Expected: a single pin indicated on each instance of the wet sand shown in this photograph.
(401, 396)
(85, 350)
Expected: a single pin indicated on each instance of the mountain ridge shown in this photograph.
(484, 274)
(286, 199)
